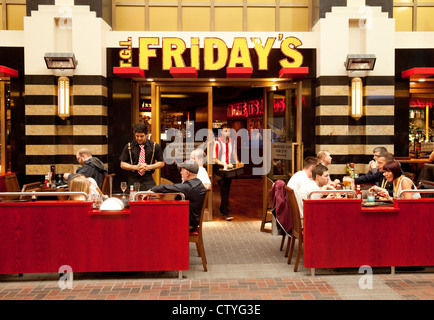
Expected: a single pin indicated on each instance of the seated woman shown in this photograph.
(79, 183)
(393, 172)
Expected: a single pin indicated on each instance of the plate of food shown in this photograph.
(382, 199)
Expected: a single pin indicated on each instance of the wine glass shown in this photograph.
(123, 188)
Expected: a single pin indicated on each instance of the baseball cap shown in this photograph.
(190, 166)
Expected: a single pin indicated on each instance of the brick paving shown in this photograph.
(243, 264)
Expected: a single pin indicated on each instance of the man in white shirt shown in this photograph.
(303, 176)
(320, 178)
(199, 157)
(326, 159)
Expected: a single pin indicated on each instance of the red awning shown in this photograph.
(299, 72)
(418, 73)
(129, 72)
(183, 72)
(239, 72)
(8, 72)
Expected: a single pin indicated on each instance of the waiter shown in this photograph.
(225, 157)
(141, 158)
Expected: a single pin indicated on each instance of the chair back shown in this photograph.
(11, 183)
(34, 186)
(269, 186)
(202, 211)
(165, 181)
(107, 185)
(31, 187)
(166, 197)
(296, 218)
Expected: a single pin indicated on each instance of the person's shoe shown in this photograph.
(228, 217)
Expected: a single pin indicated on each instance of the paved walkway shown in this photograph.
(243, 263)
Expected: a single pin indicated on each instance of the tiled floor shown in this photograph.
(243, 263)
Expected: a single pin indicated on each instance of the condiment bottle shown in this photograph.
(358, 192)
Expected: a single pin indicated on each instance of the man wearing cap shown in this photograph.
(192, 188)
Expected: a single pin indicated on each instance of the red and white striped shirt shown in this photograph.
(224, 151)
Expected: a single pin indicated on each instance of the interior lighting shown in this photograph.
(356, 98)
(63, 97)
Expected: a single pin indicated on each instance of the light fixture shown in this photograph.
(356, 98)
(360, 62)
(63, 97)
(55, 60)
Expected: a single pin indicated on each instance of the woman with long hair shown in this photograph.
(79, 183)
(393, 172)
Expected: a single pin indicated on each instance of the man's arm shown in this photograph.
(170, 188)
(368, 178)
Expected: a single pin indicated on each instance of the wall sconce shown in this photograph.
(63, 97)
(356, 98)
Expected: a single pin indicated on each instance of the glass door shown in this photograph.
(283, 119)
(181, 121)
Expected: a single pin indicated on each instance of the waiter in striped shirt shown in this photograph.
(225, 157)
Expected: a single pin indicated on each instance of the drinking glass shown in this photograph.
(123, 188)
(347, 182)
(371, 196)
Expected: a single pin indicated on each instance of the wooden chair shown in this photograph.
(107, 185)
(196, 235)
(11, 183)
(266, 215)
(34, 186)
(297, 229)
(166, 181)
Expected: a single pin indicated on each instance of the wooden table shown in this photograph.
(41, 236)
(340, 233)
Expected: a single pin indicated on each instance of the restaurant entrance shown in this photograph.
(183, 116)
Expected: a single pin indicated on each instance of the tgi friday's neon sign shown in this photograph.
(215, 55)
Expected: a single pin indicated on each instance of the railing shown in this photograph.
(415, 191)
(44, 193)
(331, 191)
(153, 194)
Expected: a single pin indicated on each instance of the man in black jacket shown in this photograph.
(90, 167)
(192, 188)
(377, 177)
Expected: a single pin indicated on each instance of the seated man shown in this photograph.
(198, 156)
(91, 167)
(191, 187)
(377, 177)
(303, 176)
(373, 167)
(320, 178)
(326, 159)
